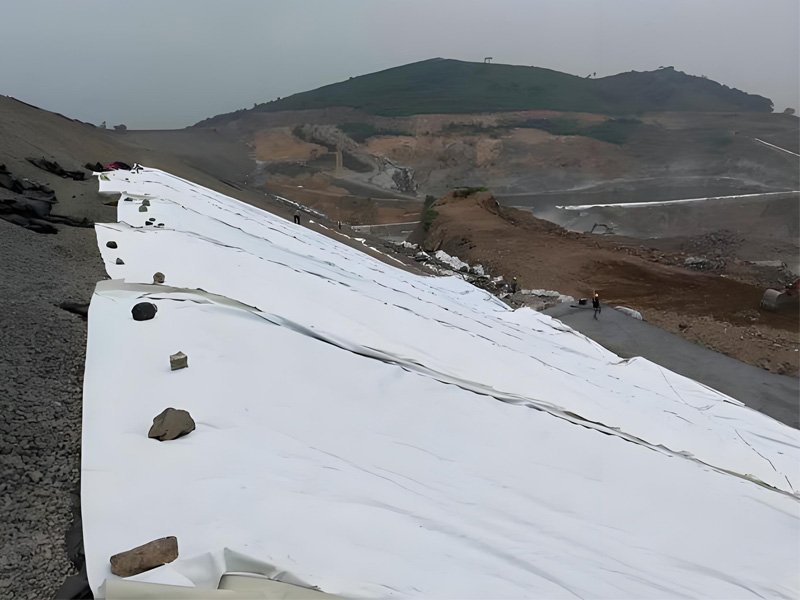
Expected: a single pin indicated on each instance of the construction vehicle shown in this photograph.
(778, 299)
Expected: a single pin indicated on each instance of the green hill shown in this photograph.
(451, 86)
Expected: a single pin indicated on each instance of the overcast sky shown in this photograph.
(171, 63)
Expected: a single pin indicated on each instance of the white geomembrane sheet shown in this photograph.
(378, 433)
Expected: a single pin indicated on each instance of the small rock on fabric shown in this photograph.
(145, 557)
(171, 424)
(144, 311)
(178, 361)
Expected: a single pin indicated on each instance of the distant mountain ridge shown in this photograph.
(451, 86)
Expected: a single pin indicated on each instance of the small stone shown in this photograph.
(158, 277)
(143, 208)
(111, 244)
(160, 225)
(119, 261)
(145, 202)
(178, 361)
(152, 219)
(171, 424)
(144, 311)
(35, 476)
(143, 558)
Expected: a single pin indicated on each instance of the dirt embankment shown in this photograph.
(713, 309)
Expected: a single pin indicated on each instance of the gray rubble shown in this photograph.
(41, 379)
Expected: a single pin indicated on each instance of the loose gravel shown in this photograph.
(42, 349)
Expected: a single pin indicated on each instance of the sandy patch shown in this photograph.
(279, 144)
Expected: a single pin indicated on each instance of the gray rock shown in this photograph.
(171, 424)
(82, 310)
(143, 558)
(143, 208)
(144, 311)
(158, 277)
(178, 361)
(36, 476)
(111, 244)
(119, 261)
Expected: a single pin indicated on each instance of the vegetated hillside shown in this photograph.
(451, 86)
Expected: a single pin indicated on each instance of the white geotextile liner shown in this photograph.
(382, 463)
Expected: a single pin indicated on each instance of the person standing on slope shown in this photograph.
(596, 304)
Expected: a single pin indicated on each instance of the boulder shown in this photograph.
(143, 558)
(171, 424)
(111, 244)
(52, 166)
(119, 261)
(142, 208)
(144, 311)
(158, 277)
(40, 226)
(16, 220)
(82, 310)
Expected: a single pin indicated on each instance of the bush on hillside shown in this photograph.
(428, 213)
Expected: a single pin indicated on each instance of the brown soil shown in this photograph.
(339, 205)
(715, 310)
(280, 145)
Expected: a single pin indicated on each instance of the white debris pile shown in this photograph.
(630, 312)
(374, 433)
(549, 294)
(453, 261)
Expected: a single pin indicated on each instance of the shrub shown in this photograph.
(429, 214)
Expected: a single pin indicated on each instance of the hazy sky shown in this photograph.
(170, 63)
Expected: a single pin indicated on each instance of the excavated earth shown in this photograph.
(717, 308)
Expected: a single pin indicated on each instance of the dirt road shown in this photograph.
(775, 395)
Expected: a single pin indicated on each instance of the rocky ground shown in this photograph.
(41, 379)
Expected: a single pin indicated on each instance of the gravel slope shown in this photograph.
(41, 378)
